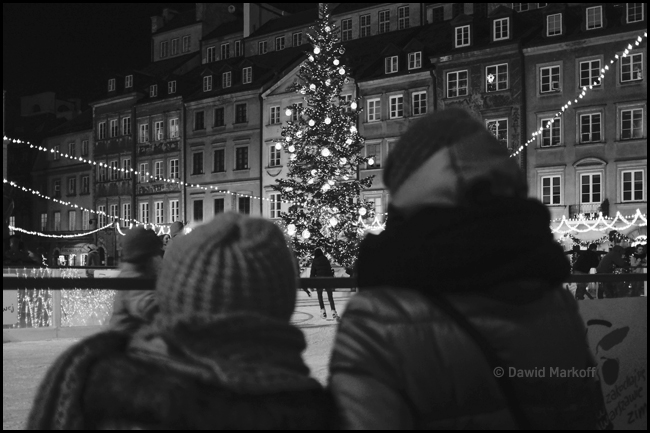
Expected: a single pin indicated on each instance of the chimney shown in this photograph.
(168, 14)
(156, 23)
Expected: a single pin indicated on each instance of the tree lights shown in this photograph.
(325, 152)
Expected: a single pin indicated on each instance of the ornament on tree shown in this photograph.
(316, 50)
(288, 112)
(306, 234)
(336, 62)
(312, 87)
(278, 146)
(291, 148)
(311, 122)
(325, 152)
(328, 120)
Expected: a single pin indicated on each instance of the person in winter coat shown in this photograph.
(220, 354)
(614, 259)
(586, 260)
(320, 267)
(141, 258)
(175, 230)
(638, 263)
(431, 343)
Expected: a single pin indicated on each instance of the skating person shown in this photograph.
(320, 267)
(220, 355)
(432, 339)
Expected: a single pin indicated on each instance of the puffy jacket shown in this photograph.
(320, 267)
(399, 362)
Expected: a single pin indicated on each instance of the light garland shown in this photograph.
(137, 173)
(44, 235)
(65, 203)
(582, 94)
(600, 224)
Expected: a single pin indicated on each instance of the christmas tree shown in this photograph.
(324, 150)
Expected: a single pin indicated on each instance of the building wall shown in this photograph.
(610, 154)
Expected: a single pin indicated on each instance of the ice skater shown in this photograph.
(320, 267)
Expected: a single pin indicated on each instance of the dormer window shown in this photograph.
(462, 36)
(554, 25)
(415, 60)
(501, 29)
(520, 7)
(594, 17)
(225, 51)
(262, 47)
(164, 49)
(279, 43)
(391, 64)
(171, 87)
(247, 75)
(210, 54)
(207, 83)
(111, 84)
(153, 90)
(226, 79)
(634, 12)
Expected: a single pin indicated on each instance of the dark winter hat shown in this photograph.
(232, 264)
(175, 228)
(140, 244)
(472, 153)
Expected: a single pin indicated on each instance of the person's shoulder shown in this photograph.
(389, 305)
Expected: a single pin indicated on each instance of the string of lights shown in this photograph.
(600, 224)
(582, 94)
(46, 235)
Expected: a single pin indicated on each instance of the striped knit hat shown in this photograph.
(474, 154)
(232, 264)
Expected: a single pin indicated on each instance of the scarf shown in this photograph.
(470, 249)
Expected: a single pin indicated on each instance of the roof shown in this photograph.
(225, 29)
(299, 19)
(266, 67)
(183, 19)
(165, 67)
(344, 8)
(82, 122)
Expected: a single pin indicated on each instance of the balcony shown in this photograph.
(588, 210)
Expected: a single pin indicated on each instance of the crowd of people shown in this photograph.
(419, 347)
(620, 258)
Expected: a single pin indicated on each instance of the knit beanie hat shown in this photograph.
(232, 264)
(140, 244)
(175, 228)
(471, 153)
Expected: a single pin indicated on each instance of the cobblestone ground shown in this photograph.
(24, 363)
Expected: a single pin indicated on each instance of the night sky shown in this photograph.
(68, 48)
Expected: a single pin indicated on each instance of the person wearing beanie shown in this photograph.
(423, 343)
(141, 258)
(321, 267)
(221, 352)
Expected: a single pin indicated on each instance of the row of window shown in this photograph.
(173, 130)
(72, 149)
(72, 221)
(72, 186)
(219, 160)
(502, 29)
(219, 113)
(114, 171)
(159, 170)
(550, 77)
(631, 184)
(219, 205)
(418, 106)
(128, 83)
(226, 79)
(414, 61)
(171, 89)
(211, 51)
(177, 45)
(113, 128)
(591, 127)
(383, 23)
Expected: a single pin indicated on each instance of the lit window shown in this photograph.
(274, 156)
(226, 79)
(391, 64)
(85, 220)
(501, 29)
(373, 151)
(143, 173)
(144, 213)
(159, 130)
(126, 212)
(159, 212)
(396, 106)
(415, 60)
(174, 130)
(346, 30)
(632, 67)
(462, 36)
(174, 211)
(384, 21)
(549, 79)
(126, 126)
(496, 78)
(126, 165)
(457, 84)
(590, 73)
(207, 83)
(631, 124)
(374, 110)
(554, 25)
(174, 169)
(113, 127)
(499, 128)
(115, 174)
(419, 101)
(143, 137)
(590, 188)
(275, 205)
(590, 128)
(551, 190)
(594, 17)
(403, 18)
(275, 115)
(551, 132)
(57, 219)
(632, 185)
(634, 12)
(364, 26)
